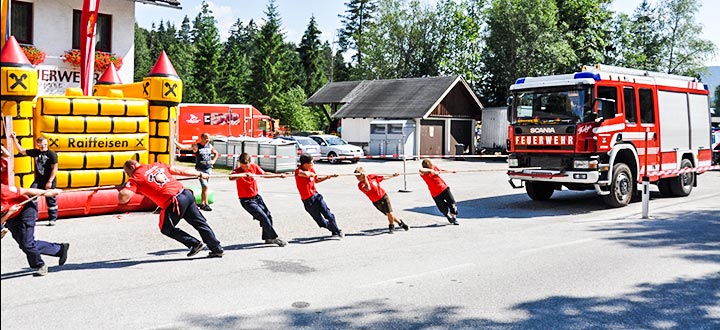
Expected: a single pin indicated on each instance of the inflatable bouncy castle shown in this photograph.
(94, 135)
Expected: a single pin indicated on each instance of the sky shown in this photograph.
(295, 16)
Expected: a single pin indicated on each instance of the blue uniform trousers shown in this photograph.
(185, 208)
(22, 227)
(315, 205)
(257, 208)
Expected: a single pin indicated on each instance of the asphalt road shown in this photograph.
(569, 263)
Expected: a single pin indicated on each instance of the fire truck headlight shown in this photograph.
(585, 164)
(512, 162)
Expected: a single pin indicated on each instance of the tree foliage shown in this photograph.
(521, 41)
(490, 42)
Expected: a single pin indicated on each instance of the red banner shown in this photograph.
(88, 19)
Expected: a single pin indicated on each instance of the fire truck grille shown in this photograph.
(547, 162)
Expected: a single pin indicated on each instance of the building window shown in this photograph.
(647, 106)
(103, 32)
(630, 111)
(21, 22)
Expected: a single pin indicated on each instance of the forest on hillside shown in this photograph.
(490, 42)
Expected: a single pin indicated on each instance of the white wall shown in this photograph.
(356, 129)
(52, 34)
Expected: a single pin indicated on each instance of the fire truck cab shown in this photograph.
(606, 127)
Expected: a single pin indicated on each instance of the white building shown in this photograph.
(53, 27)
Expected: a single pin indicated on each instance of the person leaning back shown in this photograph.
(156, 182)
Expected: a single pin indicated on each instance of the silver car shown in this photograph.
(335, 149)
(305, 145)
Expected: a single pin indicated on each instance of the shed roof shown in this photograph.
(163, 3)
(392, 98)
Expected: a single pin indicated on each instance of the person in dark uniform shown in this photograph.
(314, 203)
(205, 157)
(156, 182)
(20, 220)
(250, 199)
(46, 168)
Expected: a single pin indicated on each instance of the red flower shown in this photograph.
(102, 59)
(33, 54)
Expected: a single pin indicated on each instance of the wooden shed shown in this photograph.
(445, 110)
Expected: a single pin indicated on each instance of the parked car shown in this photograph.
(332, 147)
(305, 145)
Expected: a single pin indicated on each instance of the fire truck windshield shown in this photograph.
(568, 105)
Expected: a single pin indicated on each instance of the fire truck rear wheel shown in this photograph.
(683, 184)
(621, 188)
(539, 191)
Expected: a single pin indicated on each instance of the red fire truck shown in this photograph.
(604, 129)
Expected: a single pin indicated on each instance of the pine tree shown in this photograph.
(235, 65)
(267, 77)
(183, 57)
(206, 65)
(143, 63)
(356, 21)
(311, 58)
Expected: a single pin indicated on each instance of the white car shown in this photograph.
(305, 145)
(335, 149)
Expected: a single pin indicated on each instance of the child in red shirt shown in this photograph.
(251, 201)
(314, 203)
(369, 184)
(439, 190)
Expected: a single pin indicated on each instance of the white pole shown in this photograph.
(402, 144)
(646, 182)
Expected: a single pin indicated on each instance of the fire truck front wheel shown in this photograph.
(621, 188)
(539, 191)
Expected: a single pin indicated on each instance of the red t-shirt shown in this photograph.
(4, 175)
(434, 182)
(247, 187)
(305, 185)
(155, 182)
(376, 192)
(10, 196)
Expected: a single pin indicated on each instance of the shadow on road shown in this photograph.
(521, 206)
(691, 231)
(682, 304)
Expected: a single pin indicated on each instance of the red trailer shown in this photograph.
(221, 119)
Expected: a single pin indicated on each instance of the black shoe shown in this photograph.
(63, 253)
(205, 207)
(339, 234)
(391, 229)
(196, 249)
(216, 254)
(403, 225)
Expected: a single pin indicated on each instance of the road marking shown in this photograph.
(418, 275)
(553, 246)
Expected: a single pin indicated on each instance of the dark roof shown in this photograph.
(163, 3)
(393, 98)
(332, 93)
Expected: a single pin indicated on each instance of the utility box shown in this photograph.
(286, 160)
(493, 137)
(392, 137)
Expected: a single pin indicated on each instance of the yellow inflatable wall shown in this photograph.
(93, 136)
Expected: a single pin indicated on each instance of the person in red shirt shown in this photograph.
(21, 223)
(4, 179)
(439, 190)
(155, 182)
(314, 203)
(369, 184)
(251, 201)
